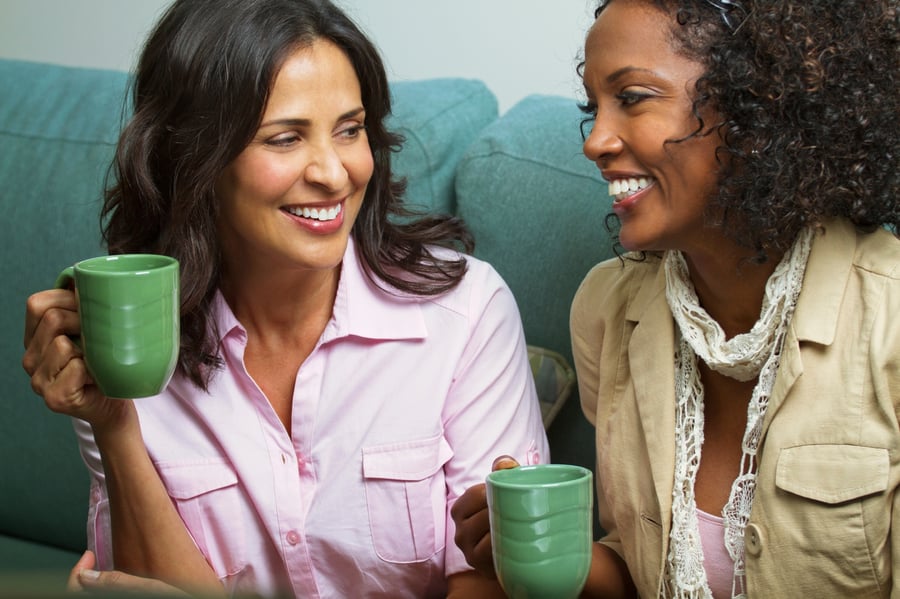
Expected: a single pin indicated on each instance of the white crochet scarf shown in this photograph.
(743, 357)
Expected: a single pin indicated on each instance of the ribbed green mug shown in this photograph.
(128, 305)
(541, 529)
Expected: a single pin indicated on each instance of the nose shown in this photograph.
(603, 141)
(325, 167)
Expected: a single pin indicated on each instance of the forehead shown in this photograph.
(630, 31)
(635, 36)
(317, 74)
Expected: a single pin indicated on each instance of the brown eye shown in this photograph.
(351, 132)
(631, 98)
(283, 140)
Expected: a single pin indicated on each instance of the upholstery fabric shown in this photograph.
(58, 127)
(439, 118)
(528, 165)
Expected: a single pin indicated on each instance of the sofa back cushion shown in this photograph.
(537, 207)
(58, 128)
(439, 118)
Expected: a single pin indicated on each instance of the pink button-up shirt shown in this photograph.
(403, 404)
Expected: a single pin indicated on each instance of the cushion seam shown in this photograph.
(56, 139)
(486, 156)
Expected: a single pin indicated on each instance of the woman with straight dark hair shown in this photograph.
(338, 353)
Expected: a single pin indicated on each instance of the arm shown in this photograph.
(492, 407)
(148, 536)
(609, 576)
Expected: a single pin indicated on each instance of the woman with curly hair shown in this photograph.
(741, 363)
(335, 359)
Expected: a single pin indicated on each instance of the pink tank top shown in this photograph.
(716, 561)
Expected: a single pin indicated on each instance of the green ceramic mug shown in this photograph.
(128, 305)
(541, 518)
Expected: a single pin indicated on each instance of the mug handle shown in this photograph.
(66, 278)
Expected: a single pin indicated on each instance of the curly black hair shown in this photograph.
(808, 97)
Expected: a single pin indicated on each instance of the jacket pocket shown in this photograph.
(832, 474)
(406, 498)
(207, 497)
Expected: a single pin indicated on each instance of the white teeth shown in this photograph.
(622, 188)
(320, 214)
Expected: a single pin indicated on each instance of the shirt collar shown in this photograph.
(825, 281)
(362, 308)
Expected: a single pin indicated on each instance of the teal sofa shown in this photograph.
(535, 205)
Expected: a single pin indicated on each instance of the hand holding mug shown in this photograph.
(56, 317)
(128, 307)
(470, 515)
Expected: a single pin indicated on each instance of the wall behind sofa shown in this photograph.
(518, 47)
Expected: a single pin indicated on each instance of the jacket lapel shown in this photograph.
(651, 355)
(818, 307)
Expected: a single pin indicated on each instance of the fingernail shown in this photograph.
(89, 574)
(503, 462)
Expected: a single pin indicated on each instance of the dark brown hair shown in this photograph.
(199, 93)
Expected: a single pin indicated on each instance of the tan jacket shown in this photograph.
(829, 466)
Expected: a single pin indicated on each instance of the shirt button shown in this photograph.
(293, 538)
(753, 540)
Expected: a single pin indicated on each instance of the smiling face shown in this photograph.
(290, 198)
(640, 90)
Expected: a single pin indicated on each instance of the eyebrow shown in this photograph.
(619, 73)
(291, 122)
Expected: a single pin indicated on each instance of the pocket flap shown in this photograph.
(832, 473)
(185, 480)
(410, 460)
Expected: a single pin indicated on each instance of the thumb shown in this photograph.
(504, 462)
(86, 562)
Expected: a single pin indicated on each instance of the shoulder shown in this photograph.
(612, 284)
(878, 253)
(479, 292)
(480, 285)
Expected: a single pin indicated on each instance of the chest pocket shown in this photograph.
(832, 474)
(406, 498)
(207, 496)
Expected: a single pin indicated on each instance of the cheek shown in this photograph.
(262, 179)
(360, 166)
(696, 162)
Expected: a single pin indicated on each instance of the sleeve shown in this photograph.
(588, 334)
(492, 407)
(587, 341)
(99, 530)
(885, 352)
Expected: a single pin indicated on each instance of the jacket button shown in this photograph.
(753, 540)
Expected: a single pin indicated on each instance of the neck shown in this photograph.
(730, 286)
(277, 308)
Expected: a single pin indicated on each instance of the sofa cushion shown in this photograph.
(58, 127)
(439, 118)
(537, 209)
